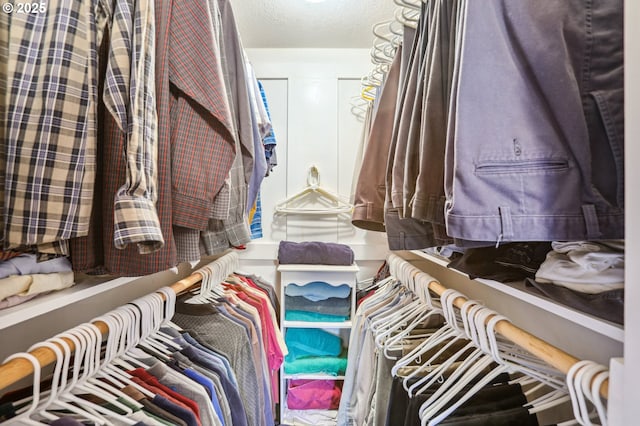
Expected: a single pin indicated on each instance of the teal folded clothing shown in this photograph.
(313, 317)
(305, 342)
(317, 365)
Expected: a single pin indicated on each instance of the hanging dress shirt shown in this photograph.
(50, 135)
(97, 250)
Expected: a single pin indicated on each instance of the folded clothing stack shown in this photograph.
(585, 275)
(314, 253)
(22, 278)
(314, 351)
(317, 301)
(313, 395)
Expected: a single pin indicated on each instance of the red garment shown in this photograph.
(365, 297)
(275, 356)
(156, 390)
(153, 381)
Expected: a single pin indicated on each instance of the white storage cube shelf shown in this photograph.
(302, 275)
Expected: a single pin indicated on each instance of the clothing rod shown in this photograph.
(19, 368)
(552, 355)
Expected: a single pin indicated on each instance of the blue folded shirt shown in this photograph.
(317, 290)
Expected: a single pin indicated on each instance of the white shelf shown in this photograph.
(519, 291)
(316, 324)
(334, 276)
(313, 377)
(49, 302)
(329, 417)
(318, 268)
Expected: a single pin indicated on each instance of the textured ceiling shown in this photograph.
(302, 23)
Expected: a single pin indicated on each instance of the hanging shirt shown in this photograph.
(50, 134)
(129, 96)
(97, 250)
(269, 140)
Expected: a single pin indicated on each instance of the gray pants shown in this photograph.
(535, 138)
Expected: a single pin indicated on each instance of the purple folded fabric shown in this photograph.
(313, 395)
(314, 253)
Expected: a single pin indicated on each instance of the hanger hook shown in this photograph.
(313, 177)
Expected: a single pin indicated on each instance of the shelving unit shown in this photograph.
(302, 275)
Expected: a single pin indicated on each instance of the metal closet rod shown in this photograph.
(550, 354)
(19, 368)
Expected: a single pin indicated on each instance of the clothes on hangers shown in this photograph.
(242, 327)
(438, 368)
(355, 401)
(165, 83)
(442, 184)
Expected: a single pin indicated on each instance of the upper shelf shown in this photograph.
(519, 291)
(49, 302)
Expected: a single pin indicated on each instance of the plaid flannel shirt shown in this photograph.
(129, 96)
(50, 124)
(97, 251)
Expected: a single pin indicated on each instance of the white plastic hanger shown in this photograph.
(111, 356)
(420, 283)
(84, 384)
(84, 359)
(333, 204)
(465, 373)
(436, 375)
(488, 342)
(596, 397)
(24, 417)
(451, 332)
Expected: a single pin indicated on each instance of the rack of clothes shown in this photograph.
(467, 161)
(204, 354)
(151, 131)
(530, 191)
(420, 353)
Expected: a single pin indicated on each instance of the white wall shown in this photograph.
(309, 93)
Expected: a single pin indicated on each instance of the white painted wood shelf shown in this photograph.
(301, 275)
(519, 291)
(46, 303)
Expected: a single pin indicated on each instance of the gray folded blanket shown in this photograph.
(314, 253)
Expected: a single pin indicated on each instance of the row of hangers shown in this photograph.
(567, 378)
(81, 366)
(84, 363)
(387, 38)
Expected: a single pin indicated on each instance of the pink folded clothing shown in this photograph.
(313, 395)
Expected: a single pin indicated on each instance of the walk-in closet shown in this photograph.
(319, 212)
